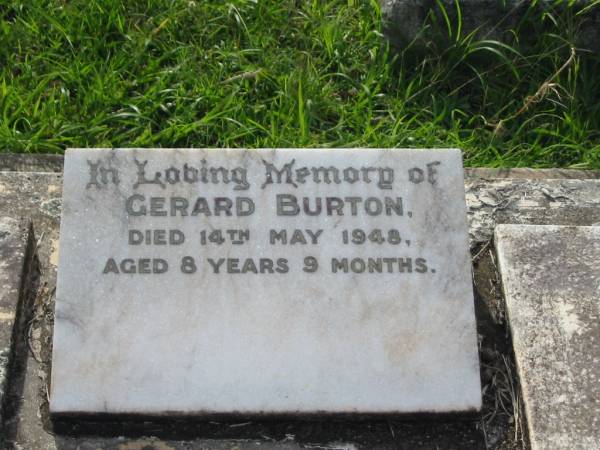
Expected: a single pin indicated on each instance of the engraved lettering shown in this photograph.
(386, 178)
(416, 175)
(249, 266)
(110, 266)
(287, 174)
(351, 175)
(432, 172)
(275, 236)
(157, 206)
(394, 205)
(129, 205)
(287, 205)
(223, 204)
(179, 204)
(405, 264)
(244, 206)
(316, 211)
(373, 206)
(201, 207)
(339, 265)
(190, 174)
(141, 175)
(314, 237)
(379, 265)
(354, 201)
(172, 175)
(142, 266)
(216, 264)
(214, 172)
(240, 177)
(282, 266)
(326, 174)
(286, 170)
(421, 264)
(298, 238)
(335, 204)
(96, 168)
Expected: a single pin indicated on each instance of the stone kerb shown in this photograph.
(490, 20)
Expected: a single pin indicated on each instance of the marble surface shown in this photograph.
(551, 281)
(251, 325)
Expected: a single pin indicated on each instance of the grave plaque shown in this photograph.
(283, 281)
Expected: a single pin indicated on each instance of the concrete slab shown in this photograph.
(551, 279)
(524, 201)
(531, 174)
(27, 162)
(16, 257)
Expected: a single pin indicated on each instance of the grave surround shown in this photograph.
(570, 202)
(364, 307)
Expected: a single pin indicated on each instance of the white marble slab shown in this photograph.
(551, 280)
(254, 329)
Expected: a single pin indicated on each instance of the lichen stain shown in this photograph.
(54, 252)
(6, 315)
(569, 320)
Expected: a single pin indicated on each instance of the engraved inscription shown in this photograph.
(141, 203)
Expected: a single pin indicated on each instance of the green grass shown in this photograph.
(289, 73)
